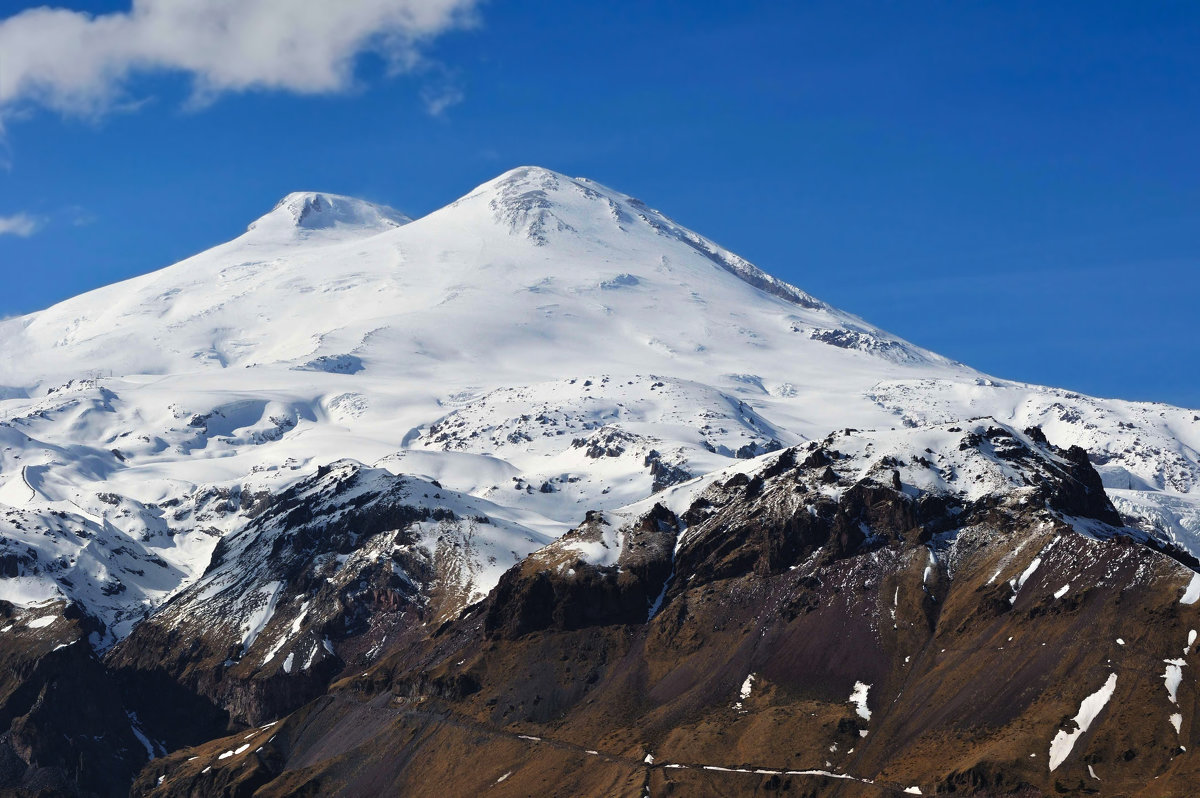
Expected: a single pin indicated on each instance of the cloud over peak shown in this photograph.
(77, 63)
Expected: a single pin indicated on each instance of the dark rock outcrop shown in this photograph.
(559, 589)
(65, 730)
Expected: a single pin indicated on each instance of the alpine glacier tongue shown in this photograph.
(545, 345)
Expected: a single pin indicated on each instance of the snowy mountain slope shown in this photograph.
(1148, 454)
(333, 329)
(544, 343)
(560, 255)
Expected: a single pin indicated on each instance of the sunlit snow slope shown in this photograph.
(545, 344)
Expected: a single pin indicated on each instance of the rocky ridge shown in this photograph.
(838, 619)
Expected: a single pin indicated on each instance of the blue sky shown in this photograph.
(1012, 184)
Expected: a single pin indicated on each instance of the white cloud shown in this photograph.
(77, 63)
(21, 224)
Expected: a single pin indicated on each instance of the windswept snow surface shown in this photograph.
(543, 344)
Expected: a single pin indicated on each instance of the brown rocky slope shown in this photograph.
(954, 610)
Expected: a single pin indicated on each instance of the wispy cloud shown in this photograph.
(81, 64)
(442, 90)
(21, 224)
(80, 216)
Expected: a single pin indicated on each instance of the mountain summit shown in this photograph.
(527, 258)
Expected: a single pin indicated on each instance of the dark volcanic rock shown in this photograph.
(65, 729)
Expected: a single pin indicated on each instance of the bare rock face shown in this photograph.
(66, 731)
(559, 589)
(951, 612)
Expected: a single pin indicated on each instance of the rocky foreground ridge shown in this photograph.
(953, 610)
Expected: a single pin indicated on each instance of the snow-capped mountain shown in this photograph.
(543, 343)
(178, 450)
